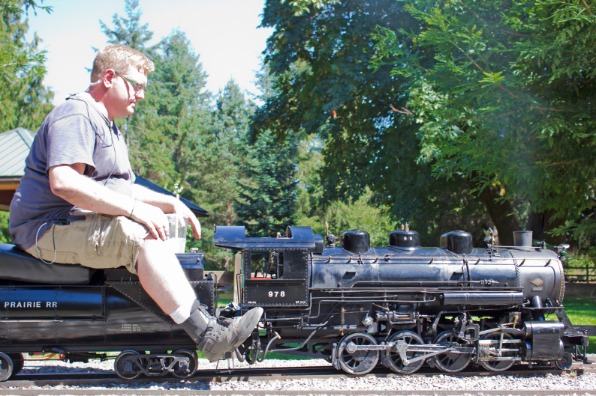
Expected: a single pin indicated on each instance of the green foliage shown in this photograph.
(304, 6)
(129, 30)
(324, 86)
(360, 214)
(581, 260)
(24, 101)
(221, 154)
(166, 133)
(218, 160)
(484, 103)
(267, 191)
(4, 232)
(513, 80)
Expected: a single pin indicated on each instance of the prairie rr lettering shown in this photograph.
(30, 304)
(131, 327)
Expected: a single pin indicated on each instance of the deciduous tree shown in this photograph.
(325, 86)
(502, 94)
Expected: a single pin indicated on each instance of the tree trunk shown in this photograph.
(502, 214)
(540, 224)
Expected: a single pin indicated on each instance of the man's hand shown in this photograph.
(185, 214)
(153, 218)
(169, 205)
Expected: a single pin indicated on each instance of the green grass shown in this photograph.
(582, 311)
(224, 297)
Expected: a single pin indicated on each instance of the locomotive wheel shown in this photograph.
(450, 362)
(565, 362)
(186, 365)
(498, 365)
(353, 361)
(6, 367)
(393, 361)
(126, 365)
(18, 362)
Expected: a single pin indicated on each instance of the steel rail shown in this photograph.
(111, 380)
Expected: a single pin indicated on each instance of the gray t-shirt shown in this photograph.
(74, 132)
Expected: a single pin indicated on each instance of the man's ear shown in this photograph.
(108, 78)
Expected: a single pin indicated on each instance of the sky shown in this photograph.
(224, 33)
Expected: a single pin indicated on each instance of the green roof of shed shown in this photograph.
(14, 148)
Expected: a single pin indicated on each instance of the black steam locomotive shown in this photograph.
(357, 306)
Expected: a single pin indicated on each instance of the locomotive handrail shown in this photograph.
(435, 283)
(416, 288)
(330, 259)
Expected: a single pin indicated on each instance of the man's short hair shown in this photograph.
(119, 57)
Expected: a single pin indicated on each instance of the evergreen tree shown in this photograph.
(267, 194)
(128, 30)
(24, 101)
(222, 153)
(218, 161)
(174, 118)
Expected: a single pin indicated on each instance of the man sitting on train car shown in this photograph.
(77, 203)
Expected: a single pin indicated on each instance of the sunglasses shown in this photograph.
(137, 86)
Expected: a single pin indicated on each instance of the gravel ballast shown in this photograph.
(584, 384)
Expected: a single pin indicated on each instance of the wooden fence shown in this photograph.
(581, 275)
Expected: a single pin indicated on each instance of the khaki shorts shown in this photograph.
(99, 241)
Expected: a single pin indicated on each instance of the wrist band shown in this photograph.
(134, 200)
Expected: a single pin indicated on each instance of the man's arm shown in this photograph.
(168, 204)
(69, 183)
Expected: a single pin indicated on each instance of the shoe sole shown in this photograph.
(252, 317)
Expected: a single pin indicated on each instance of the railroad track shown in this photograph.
(29, 384)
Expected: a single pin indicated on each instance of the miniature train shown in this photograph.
(401, 306)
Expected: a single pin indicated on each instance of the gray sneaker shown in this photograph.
(217, 337)
(221, 338)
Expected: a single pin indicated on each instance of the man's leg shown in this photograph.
(164, 280)
(101, 241)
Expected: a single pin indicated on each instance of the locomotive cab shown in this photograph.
(275, 277)
(273, 271)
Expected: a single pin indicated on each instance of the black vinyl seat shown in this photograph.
(17, 265)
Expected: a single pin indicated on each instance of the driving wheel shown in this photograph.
(353, 360)
(500, 348)
(453, 361)
(392, 358)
